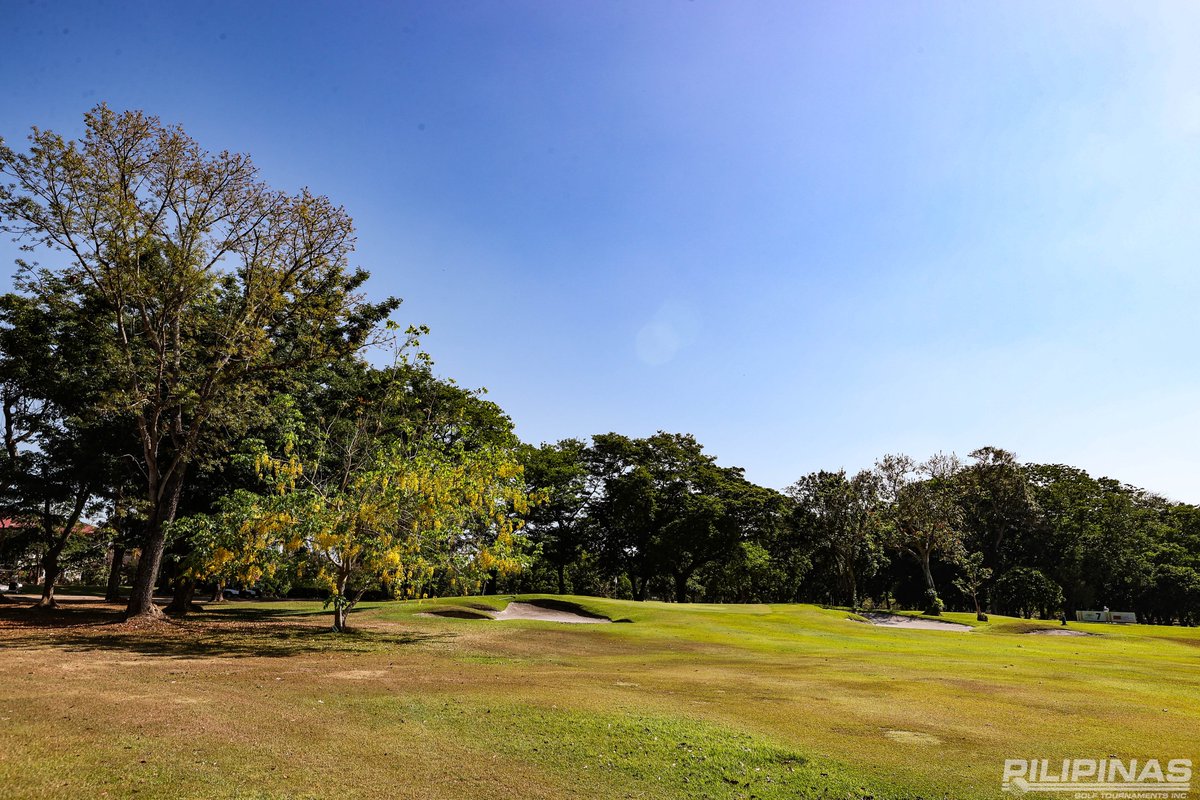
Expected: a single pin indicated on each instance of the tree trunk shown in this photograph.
(933, 606)
(927, 572)
(681, 579)
(181, 601)
(141, 596)
(113, 592)
(562, 578)
(340, 601)
(639, 590)
(50, 577)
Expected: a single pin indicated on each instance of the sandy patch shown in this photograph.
(912, 737)
(901, 621)
(359, 674)
(1056, 632)
(534, 611)
(530, 611)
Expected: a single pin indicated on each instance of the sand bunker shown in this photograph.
(1056, 632)
(530, 611)
(901, 621)
(542, 611)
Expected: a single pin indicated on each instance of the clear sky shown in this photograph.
(808, 233)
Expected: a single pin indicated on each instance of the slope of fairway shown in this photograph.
(256, 700)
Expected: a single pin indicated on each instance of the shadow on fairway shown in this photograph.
(227, 633)
(250, 613)
(20, 615)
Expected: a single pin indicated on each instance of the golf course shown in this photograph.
(435, 699)
(606, 400)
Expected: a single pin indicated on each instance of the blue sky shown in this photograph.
(808, 233)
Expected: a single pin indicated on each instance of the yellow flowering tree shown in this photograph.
(384, 477)
(238, 542)
(411, 514)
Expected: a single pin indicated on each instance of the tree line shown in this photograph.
(656, 517)
(194, 366)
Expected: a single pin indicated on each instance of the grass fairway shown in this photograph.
(254, 700)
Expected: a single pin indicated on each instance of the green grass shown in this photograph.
(256, 699)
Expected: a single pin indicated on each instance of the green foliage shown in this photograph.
(999, 510)
(666, 510)
(59, 459)
(842, 517)
(558, 476)
(376, 480)
(974, 576)
(1024, 591)
(921, 517)
(933, 604)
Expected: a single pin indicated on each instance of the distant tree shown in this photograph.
(667, 510)
(759, 520)
(63, 450)
(202, 282)
(698, 526)
(23, 344)
(558, 474)
(1024, 591)
(1176, 557)
(122, 530)
(843, 515)
(1120, 559)
(748, 575)
(1175, 594)
(1064, 540)
(625, 516)
(974, 576)
(998, 505)
(921, 517)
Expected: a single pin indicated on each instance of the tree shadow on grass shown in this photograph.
(229, 633)
(19, 613)
(251, 613)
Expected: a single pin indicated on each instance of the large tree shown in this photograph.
(841, 515)
(383, 481)
(998, 506)
(667, 510)
(922, 518)
(60, 453)
(204, 282)
(558, 475)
